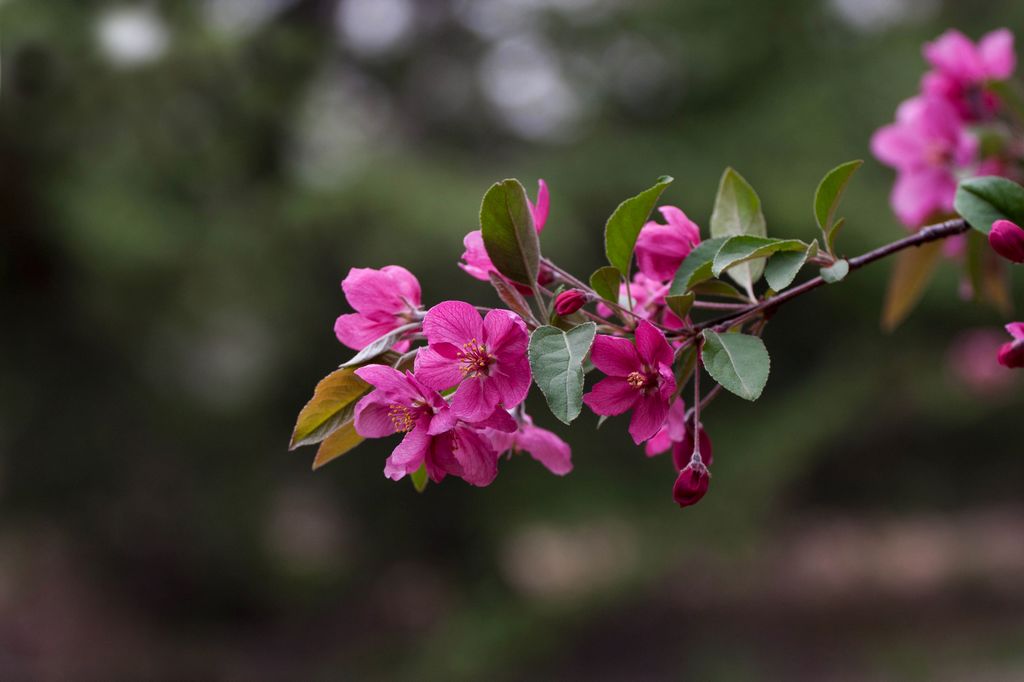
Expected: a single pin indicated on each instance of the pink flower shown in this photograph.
(671, 432)
(543, 446)
(661, 248)
(569, 301)
(434, 436)
(639, 378)
(648, 301)
(963, 70)
(1012, 353)
(476, 263)
(384, 300)
(692, 484)
(1007, 239)
(927, 145)
(485, 358)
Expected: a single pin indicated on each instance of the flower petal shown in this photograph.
(387, 291)
(614, 356)
(436, 371)
(505, 333)
(652, 346)
(372, 419)
(611, 396)
(471, 402)
(477, 458)
(454, 322)
(540, 209)
(996, 50)
(358, 331)
(410, 453)
(547, 448)
(648, 415)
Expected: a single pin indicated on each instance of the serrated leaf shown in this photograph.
(982, 201)
(605, 282)
(681, 304)
(830, 193)
(623, 227)
(783, 267)
(556, 360)
(331, 405)
(743, 248)
(509, 234)
(696, 267)
(737, 211)
(380, 346)
(511, 297)
(911, 273)
(419, 478)
(343, 439)
(739, 362)
(836, 272)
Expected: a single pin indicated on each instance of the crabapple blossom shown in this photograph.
(963, 69)
(544, 446)
(660, 249)
(384, 300)
(1012, 353)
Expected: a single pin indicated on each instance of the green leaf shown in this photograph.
(556, 359)
(910, 275)
(419, 478)
(833, 232)
(696, 267)
(331, 405)
(509, 234)
(830, 192)
(511, 297)
(337, 444)
(741, 249)
(716, 287)
(623, 227)
(739, 362)
(380, 345)
(681, 304)
(783, 267)
(605, 282)
(737, 211)
(836, 272)
(982, 201)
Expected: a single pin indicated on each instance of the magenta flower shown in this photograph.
(475, 261)
(544, 446)
(1007, 239)
(648, 301)
(671, 432)
(691, 484)
(434, 436)
(485, 358)
(384, 300)
(928, 146)
(639, 378)
(963, 69)
(1012, 353)
(661, 248)
(569, 301)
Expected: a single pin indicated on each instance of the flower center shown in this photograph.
(474, 359)
(636, 380)
(402, 417)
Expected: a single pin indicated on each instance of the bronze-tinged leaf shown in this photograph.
(987, 272)
(911, 273)
(337, 444)
(511, 297)
(331, 405)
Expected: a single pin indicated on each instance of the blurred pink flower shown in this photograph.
(384, 300)
(963, 69)
(475, 261)
(661, 248)
(971, 360)
(1012, 353)
(648, 301)
(671, 432)
(544, 446)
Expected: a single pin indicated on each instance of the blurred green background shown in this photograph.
(183, 186)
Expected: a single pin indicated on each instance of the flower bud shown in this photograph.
(569, 301)
(682, 451)
(1012, 353)
(691, 484)
(1007, 239)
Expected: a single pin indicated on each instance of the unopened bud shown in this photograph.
(684, 449)
(692, 484)
(569, 301)
(1007, 239)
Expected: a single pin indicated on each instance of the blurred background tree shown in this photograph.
(185, 183)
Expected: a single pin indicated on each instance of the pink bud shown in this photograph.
(691, 484)
(569, 301)
(682, 452)
(1012, 353)
(1007, 239)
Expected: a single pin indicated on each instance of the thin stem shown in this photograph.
(696, 407)
(714, 305)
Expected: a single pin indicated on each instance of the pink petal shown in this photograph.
(471, 402)
(509, 381)
(547, 448)
(954, 53)
(436, 371)
(505, 333)
(443, 420)
(388, 380)
(476, 261)
(996, 50)
(652, 346)
(919, 195)
(389, 290)
(410, 453)
(614, 356)
(540, 209)
(474, 454)
(611, 396)
(648, 415)
(658, 443)
(357, 331)
(1016, 330)
(454, 322)
(499, 420)
(372, 419)
(897, 146)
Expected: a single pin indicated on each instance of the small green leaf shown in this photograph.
(509, 234)
(982, 201)
(605, 282)
(380, 345)
(331, 405)
(623, 227)
(783, 267)
(716, 287)
(830, 192)
(836, 272)
(741, 249)
(833, 232)
(696, 267)
(681, 304)
(739, 362)
(737, 211)
(556, 359)
(910, 275)
(419, 478)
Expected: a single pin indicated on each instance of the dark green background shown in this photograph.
(173, 237)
